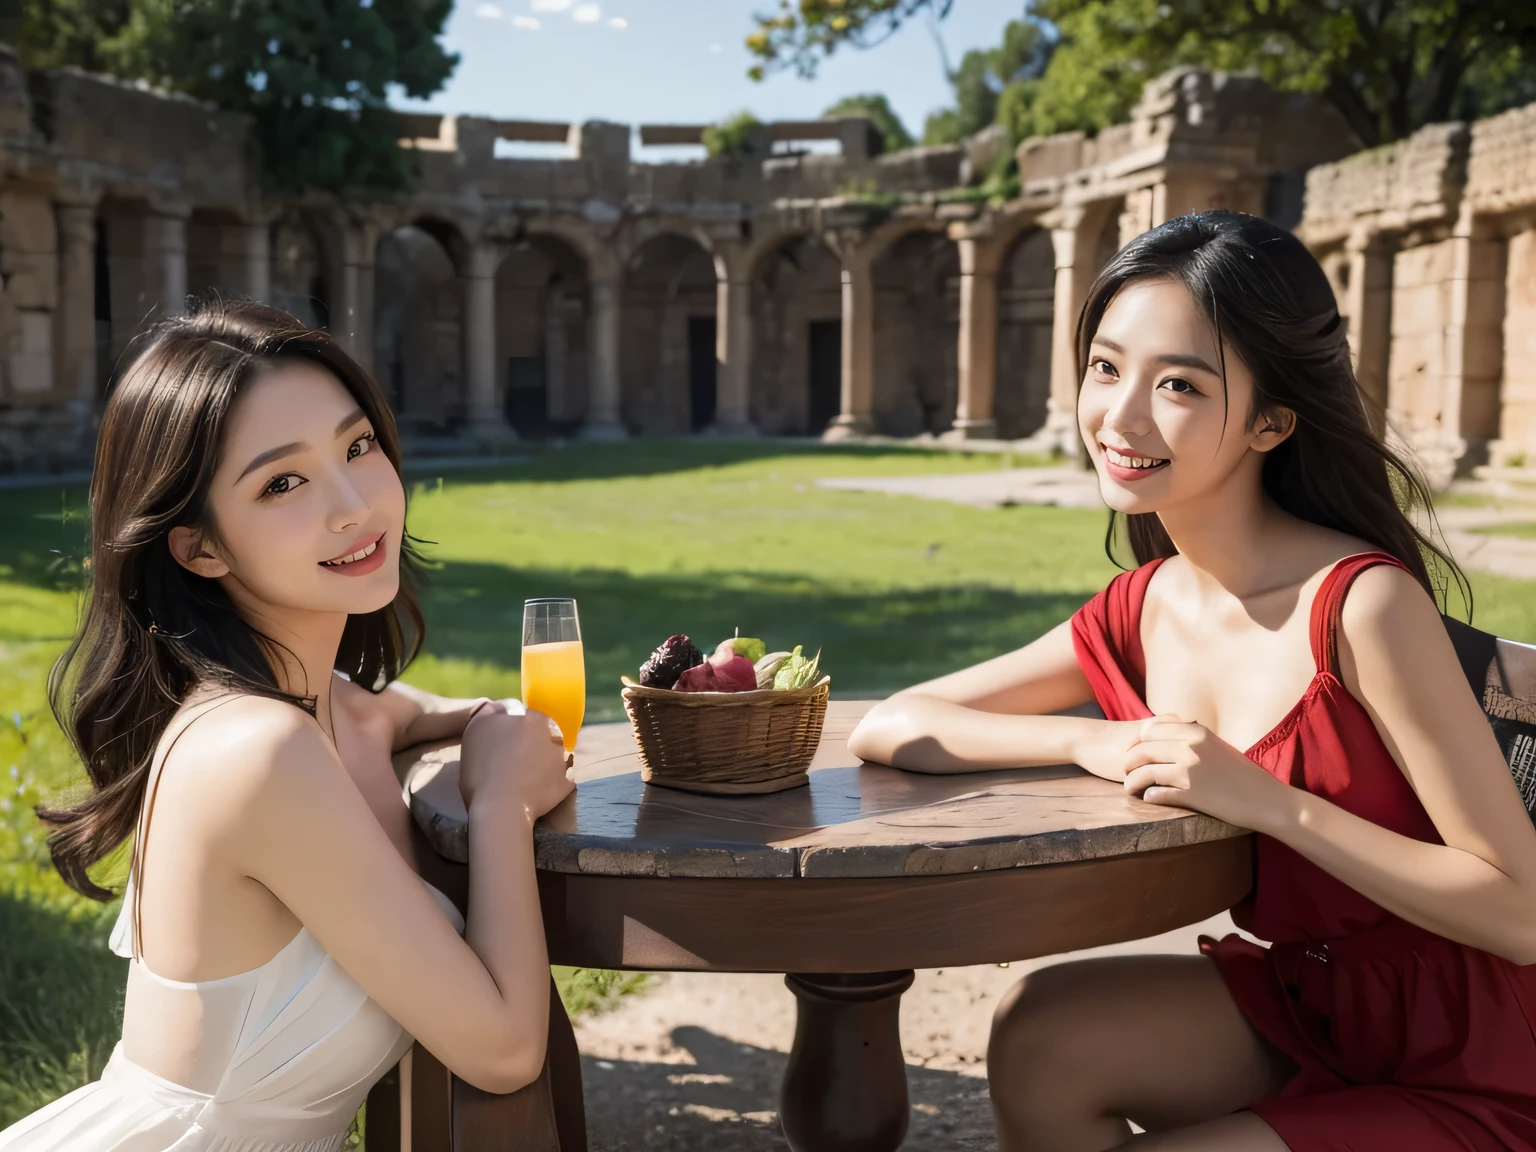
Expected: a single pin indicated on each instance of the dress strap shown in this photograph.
(1328, 605)
(135, 889)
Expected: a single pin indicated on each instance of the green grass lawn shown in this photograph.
(652, 538)
(1522, 529)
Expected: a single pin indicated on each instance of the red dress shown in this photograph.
(1404, 1039)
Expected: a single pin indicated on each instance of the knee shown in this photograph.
(1036, 1036)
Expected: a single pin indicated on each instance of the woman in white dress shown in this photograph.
(232, 692)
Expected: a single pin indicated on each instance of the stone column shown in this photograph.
(352, 315)
(604, 408)
(733, 351)
(1517, 408)
(75, 331)
(1072, 242)
(487, 421)
(858, 396)
(978, 339)
(1474, 339)
(165, 260)
(1368, 302)
(257, 260)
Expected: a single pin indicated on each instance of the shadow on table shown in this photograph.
(728, 1099)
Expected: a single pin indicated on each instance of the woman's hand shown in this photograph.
(518, 761)
(1105, 747)
(1187, 765)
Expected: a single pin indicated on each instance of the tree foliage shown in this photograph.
(802, 32)
(1389, 66)
(314, 74)
(893, 133)
(984, 76)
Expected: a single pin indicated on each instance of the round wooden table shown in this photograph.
(847, 885)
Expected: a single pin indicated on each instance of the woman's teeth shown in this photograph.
(1125, 461)
(363, 555)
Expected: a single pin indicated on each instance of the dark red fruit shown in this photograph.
(669, 661)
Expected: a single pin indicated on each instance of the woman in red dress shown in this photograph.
(1283, 605)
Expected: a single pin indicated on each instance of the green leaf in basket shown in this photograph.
(797, 671)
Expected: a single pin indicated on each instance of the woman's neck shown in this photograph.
(1233, 535)
(302, 647)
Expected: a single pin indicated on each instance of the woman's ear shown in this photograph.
(1273, 427)
(187, 546)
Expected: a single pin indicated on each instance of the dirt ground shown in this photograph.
(693, 1063)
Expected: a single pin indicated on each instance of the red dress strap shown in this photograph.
(1328, 605)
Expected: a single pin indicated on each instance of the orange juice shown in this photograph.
(555, 683)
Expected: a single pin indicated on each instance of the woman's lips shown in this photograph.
(372, 562)
(1128, 473)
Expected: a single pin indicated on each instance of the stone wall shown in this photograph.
(774, 292)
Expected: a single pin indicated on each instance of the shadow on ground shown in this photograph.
(728, 1101)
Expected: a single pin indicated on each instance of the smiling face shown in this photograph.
(1160, 426)
(308, 512)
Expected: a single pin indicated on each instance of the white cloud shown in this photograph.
(552, 5)
(488, 12)
(587, 14)
(527, 22)
(618, 22)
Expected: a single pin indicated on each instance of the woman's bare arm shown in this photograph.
(991, 715)
(481, 1003)
(418, 716)
(1480, 886)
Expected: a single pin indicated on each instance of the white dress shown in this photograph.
(286, 1055)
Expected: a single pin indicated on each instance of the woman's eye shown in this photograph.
(1179, 385)
(1103, 367)
(281, 485)
(361, 446)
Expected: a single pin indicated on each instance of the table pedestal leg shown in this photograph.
(846, 1086)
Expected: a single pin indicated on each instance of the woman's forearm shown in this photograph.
(505, 928)
(421, 717)
(1449, 891)
(924, 734)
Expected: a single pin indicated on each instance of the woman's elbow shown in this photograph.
(509, 1071)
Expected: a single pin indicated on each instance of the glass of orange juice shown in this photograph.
(554, 674)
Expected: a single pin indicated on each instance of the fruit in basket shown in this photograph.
(797, 671)
(675, 656)
(767, 666)
(734, 674)
(749, 646)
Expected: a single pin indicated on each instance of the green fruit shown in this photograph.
(750, 647)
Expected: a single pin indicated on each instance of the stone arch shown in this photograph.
(216, 254)
(543, 315)
(418, 328)
(916, 278)
(1026, 300)
(302, 275)
(797, 325)
(669, 368)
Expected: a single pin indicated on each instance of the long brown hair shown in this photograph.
(1267, 298)
(152, 630)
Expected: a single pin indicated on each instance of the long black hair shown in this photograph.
(1269, 300)
(152, 630)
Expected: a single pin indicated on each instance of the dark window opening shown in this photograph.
(826, 346)
(702, 371)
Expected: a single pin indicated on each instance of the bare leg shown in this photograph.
(1078, 1049)
(1239, 1132)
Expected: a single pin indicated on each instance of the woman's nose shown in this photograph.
(348, 506)
(1128, 414)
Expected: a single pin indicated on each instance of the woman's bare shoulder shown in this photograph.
(225, 750)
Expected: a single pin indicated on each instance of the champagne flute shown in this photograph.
(554, 674)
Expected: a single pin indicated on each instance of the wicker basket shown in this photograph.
(727, 742)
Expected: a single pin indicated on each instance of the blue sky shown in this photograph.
(678, 61)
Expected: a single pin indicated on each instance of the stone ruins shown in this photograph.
(807, 286)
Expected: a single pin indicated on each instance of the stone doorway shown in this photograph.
(703, 369)
(825, 341)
